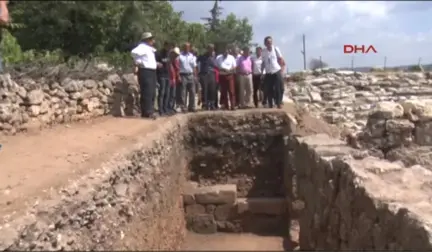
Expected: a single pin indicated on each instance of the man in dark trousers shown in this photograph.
(145, 69)
(207, 78)
(272, 63)
(162, 57)
(188, 74)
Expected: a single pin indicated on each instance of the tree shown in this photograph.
(317, 63)
(223, 32)
(91, 28)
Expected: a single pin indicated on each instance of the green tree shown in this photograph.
(223, 32)
(90, 29)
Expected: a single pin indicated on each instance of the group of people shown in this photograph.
(234, 79)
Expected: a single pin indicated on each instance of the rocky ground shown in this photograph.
(389, 114)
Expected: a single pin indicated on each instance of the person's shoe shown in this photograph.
(152, 116)
(192, 110)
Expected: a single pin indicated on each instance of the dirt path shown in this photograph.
(232, 242)
(33, 164)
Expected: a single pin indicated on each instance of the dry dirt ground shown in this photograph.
(232, 242)
(34, 164)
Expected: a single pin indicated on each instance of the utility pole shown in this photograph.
(385, 62)
(321, 64)
(304, 52)
(419, 61)
(352, 63)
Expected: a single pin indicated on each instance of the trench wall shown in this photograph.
(352, 201)
(132, 202)
(243, 148)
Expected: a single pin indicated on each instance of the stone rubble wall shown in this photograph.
(395, 124)
(217, 208)
(58, 95)
(131, 202)
(346, 98)
(353, 202)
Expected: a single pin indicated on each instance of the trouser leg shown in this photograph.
(240, 91)
(147, 81)
(204, 90)
(211, 91)
(248, 89)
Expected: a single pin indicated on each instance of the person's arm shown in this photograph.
(4, 16)
(195, 66)
(237, 69)
(280, 59)
(234, 62)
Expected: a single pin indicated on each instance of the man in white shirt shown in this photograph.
(257, 78)
(189, 75)
(272, 63)
(145, 69)
(227, 65)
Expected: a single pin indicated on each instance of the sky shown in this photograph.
(399, 31)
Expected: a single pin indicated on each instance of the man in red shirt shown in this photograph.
(174, 76)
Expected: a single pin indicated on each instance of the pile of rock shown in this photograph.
(399, 131)
(347, 97)
(393, 125)
(58, 97)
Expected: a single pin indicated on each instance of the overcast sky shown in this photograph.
(402, 31)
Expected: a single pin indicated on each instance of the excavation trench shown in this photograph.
(241, 172)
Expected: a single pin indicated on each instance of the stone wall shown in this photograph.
(243, 148)
(346, 97)
(210, 209)
(60, 95)
(354, 202)
(132, 202)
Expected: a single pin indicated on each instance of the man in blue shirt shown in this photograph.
(208, 78)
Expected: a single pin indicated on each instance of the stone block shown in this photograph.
(225, 212)
(195, 209)
(423, 133)
(217, 194)
(202, 224)
(269, 206)
(189, 190)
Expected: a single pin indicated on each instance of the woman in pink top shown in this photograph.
(244, 72)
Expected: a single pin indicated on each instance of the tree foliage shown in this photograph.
(92, 28)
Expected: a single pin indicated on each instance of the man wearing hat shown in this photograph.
(145, 69)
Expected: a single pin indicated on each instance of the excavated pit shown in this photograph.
(237, 172)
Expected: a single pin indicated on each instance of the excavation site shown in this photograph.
(241, 180)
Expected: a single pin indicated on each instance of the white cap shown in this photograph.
(176, 50)
(146, 35)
